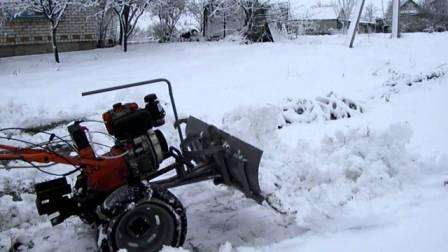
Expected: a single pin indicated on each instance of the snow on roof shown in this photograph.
(321, 13)
(314, 13)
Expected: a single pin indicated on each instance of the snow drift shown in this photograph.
(322, 185)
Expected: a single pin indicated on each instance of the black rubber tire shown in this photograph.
(150, 224)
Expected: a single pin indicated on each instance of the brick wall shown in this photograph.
(76, 27)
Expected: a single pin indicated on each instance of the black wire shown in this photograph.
(96, 143)
(103, 145)
(30, 144)
(50, 173)
(47, 149)
(39, 167)
(61, 139)
(42, 132)
(25, 167)
(37, 145)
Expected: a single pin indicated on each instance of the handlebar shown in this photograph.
(170, 91)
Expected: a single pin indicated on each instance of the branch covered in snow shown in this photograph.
(344, 9)
(196, 9)
(168, 12)
(53, 10)
(128, 12)
(104, 17)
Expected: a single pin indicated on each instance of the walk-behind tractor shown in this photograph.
(125, 191)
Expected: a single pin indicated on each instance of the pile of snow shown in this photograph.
(345, 183)
(399, 81)
(253, 124)
(319, 185)
(330, 107)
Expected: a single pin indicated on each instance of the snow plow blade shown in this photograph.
(235, 162)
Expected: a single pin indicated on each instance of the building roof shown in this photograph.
(318, 13)
(409, 7)
(409, 2)
(321, 13)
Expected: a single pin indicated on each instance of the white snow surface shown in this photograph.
(371, 181)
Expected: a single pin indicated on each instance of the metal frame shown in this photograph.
(186, 173)
(136, 84)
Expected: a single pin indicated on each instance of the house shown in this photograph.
(222, 21)
(29, 33)
(325, 20)
(318, 20)
(411, 17)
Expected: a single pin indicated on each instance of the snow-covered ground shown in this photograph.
(370, 181)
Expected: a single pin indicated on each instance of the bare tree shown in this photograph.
(52, 10)
(229, 10)
(104, 16)
(370, 12)
(436, 11)
(251, 15)
(129, 12)
(197, 8)
(168, 13)
(222, 12)
(250, 8)
(388, 14)
(344, 9)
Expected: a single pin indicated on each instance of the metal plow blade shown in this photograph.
(236, 161)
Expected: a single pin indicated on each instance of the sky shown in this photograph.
(297, 6)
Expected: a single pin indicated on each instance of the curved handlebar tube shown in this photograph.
(141, 83)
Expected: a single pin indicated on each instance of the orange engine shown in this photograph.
(109, 174)
(138, 151)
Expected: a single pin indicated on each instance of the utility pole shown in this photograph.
(395, 19)
(354, 22)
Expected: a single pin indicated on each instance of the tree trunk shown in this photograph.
(205, 21)
(102, 31)
(125, 44)
(126, 27)
(120, 40)
(224, 24)
(54, 44)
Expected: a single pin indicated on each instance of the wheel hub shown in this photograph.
(146, 227)
(139, 226)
